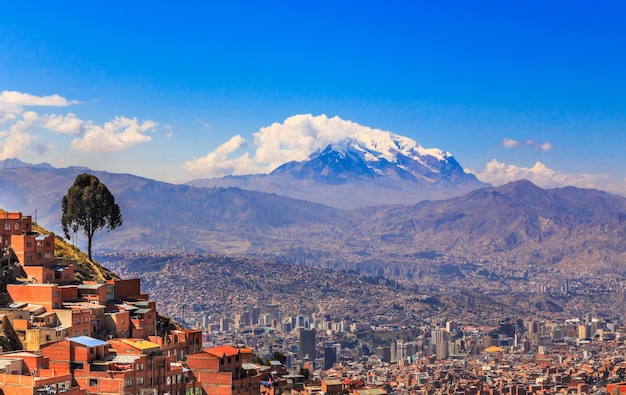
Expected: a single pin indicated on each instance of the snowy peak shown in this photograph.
(378, 154)
(377, 145)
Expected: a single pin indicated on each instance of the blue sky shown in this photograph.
(176, 92)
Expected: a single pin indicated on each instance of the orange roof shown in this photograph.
(222, 351)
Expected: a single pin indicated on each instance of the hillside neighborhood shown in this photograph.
(65, 336)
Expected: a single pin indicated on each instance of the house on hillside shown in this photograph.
(226, 370)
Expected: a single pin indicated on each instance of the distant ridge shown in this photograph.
(517, 226)
(15, 163)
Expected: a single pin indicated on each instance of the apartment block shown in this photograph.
(13, 223)
(225, 370)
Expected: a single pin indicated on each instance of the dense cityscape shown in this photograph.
(109, 337)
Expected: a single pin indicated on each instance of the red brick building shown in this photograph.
(26, 374)
(13, 224)
(33, 249)
(35, 252)
(120, 366)
(225, 370)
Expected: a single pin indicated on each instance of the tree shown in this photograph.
(304, 372)
(278, 356)
(89, 205)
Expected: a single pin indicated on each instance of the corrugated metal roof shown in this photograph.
(254, 366)
(125, 358)
(87, 341)
(90, 286)
(142, 311)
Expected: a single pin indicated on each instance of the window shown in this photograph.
(140, 366)
(93, 382)
(139, 380)
(85, 319)
(7, 226)
(222, 361)
(229, 360)
(16, 226)
(29, 244)
(129, 383)
(77, 320)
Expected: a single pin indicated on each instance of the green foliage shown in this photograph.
(277, 356)
(304, 372)
(88, 205)
(258, 360)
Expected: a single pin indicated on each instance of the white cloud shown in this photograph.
(5, 117)
(17, 138)
(12, 103)
(497, 173)
(117, 135)
(218, 160)
(23, 128)
(204, 123)
(169, 133)
(25, 99)
(293, 140)
(512, 143)
(69, 123)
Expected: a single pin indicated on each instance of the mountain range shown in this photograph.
(367, 169)
(488, 231)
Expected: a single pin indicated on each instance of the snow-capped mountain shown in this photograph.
(362, 170)
(378, 155)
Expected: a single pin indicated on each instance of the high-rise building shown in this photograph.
(307, 344)
(256, 312)
(384, 353)
(224, 324)
(330, 355)
(583, 331)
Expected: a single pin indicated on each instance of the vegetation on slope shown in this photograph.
(84, 269)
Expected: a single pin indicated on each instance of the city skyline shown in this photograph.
(176, 93)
